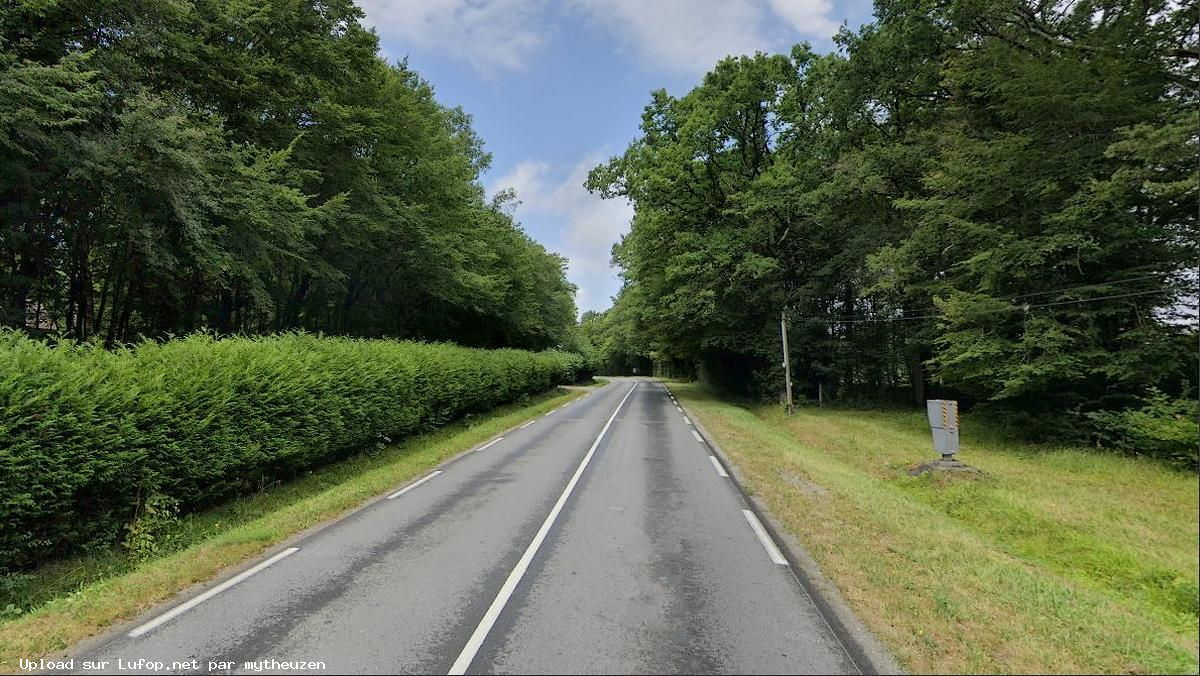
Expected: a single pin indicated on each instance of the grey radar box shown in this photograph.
(943, 420)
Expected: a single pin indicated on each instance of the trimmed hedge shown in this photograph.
(87, 434)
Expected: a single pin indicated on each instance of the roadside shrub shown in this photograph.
(84, 431)
(152, 528)
(1162, 428)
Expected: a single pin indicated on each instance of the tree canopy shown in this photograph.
(994, 200)
(247, 167)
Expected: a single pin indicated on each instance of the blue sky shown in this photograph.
(557, 87)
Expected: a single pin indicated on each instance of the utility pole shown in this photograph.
(787, 361)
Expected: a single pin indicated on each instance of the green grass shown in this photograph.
(1056, 559)
(66, 601)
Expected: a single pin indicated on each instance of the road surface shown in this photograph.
(602, 537)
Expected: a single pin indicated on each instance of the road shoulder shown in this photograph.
(866, 650)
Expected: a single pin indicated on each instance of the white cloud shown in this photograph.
(589, 225)
(527, 179)
(682, 35)
(689, 36)
(686, 36)
(491, 35)
(807, 17)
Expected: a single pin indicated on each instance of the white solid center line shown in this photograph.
(772, 550)
(698, 437)
(514, 578)
(717, 466)
(184, 607)
(414, 484)
(526, 424)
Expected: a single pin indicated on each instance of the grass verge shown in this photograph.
(1056, 559)
(70, 600)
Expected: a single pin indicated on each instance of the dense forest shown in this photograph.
(247, 167)
(995, 201)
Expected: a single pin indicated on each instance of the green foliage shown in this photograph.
(92, 440)
(249, 168)
(997, 200)
(610, 340)
(152, 527)
(1162, 427)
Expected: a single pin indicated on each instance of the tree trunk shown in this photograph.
(916, 375)
(225, 316)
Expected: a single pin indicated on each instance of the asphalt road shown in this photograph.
(602, 538)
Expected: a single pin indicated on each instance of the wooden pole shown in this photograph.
(787, 362)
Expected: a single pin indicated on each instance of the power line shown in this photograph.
(1088, 286)
(867, 317)
(1009, 308)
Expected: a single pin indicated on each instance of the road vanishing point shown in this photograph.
(602, 537)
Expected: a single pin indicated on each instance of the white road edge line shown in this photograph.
(188, 605)
(698, 437)
(414, 484)
(491, 443)
(514, 578)
(526, 424)
(765, 539)
(717, 466)
(687, 420)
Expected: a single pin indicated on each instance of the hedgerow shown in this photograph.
(88, 435)
(1162, 427)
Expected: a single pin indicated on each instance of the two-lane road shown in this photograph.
(602, 537)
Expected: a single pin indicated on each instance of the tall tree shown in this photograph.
(247, 167)
(996, 199)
